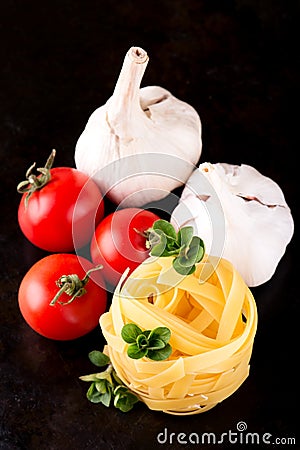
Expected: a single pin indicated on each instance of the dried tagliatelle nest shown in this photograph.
(212, 317)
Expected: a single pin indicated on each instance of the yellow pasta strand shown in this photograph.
(212, 322)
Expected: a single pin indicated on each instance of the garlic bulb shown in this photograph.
(240, 214)
(143, 142)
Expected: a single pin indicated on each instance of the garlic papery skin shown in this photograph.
(135, 122)
(257, 223)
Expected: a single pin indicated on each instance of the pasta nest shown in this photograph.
(212, 317)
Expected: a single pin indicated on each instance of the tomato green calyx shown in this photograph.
(33, 182)
(73, 286)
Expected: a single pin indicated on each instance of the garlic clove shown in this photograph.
(137, 122)
(257, 223)
(247, 182)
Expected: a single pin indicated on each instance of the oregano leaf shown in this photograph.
(201, 249)
(160, 355)
(124, 399)
(181, 268)
(120, 390)
(135, 352)
(107, 385)
(106, 398)
(166, 227)
(187, 249)
(93, 395)
(142, 341)
(156, 344)
(91, 377)
(130, 332)
(196, 250)
(101, 386)
(103, 376)
(98, 358)
(185, 236)
(162, 333)
(158, 243)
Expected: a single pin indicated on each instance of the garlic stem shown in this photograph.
(125, 100)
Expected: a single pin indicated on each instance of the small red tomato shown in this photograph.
(57, 278)
(119, 243)
(59, 208)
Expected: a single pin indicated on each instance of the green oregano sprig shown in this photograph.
(107, 386)
(187, 249)
(154, 344)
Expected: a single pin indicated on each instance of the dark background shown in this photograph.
(236, 63)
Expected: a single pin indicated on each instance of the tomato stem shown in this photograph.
(73, 286)
(34, 183)
(145, 234)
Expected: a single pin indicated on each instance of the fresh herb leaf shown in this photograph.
(93, 395)
(166, 227)
(147, 333)
(156, 344)
(142, 341)
(130, 332)
(135, 352)
(98, 358)
(158, 242)
(160, 354)
(92, 377)
(195, 251)
(149, 343)
(124, 399)
(106, 398)
(181, 268)
(101, 386)
(162, 333)
(185, 236)
(106, 375)
(107, 386)
(187, 249)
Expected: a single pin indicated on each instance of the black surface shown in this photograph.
(236, 63)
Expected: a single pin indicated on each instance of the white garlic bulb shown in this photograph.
(240, 214)
(143, 142)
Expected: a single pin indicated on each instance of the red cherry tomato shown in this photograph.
(118, 241)
(61, 321)
(61, 215)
